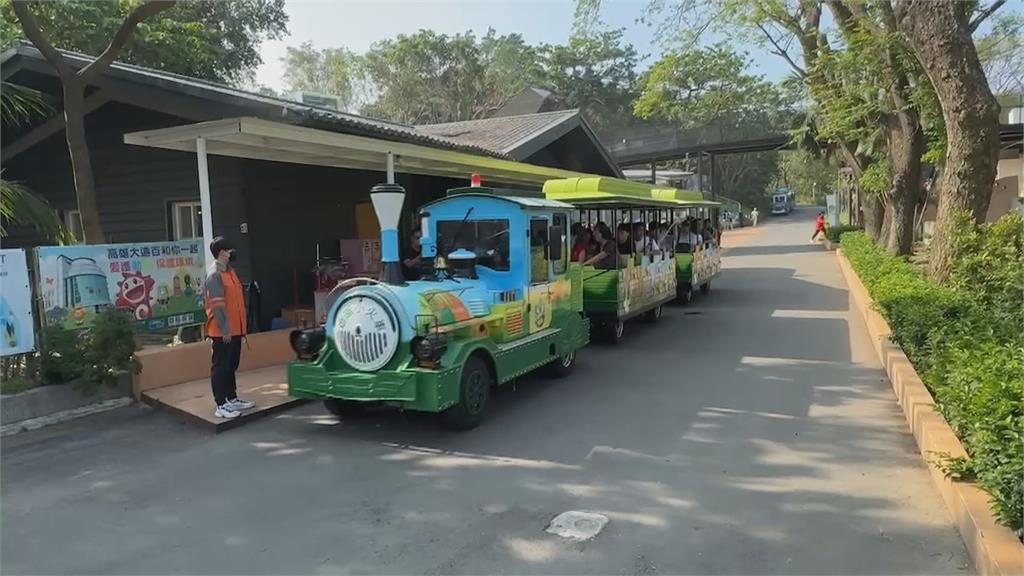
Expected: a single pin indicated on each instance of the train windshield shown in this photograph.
(488, 239)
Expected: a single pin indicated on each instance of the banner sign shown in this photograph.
(832, 209)
(17, 333)
(160, 283)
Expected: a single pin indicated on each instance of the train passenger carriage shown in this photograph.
(639, 278)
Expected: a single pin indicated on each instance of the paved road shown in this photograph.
(749, 433)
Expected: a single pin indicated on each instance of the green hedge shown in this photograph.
(965, 339)
(835, 233)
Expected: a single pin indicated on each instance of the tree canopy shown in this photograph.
(209, 39)
(427, 77)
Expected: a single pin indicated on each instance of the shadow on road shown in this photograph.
(737, 435)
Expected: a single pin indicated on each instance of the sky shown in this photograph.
(357, 24)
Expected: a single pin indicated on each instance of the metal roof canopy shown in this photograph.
(257, 139)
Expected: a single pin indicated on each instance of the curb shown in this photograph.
(64, 416)
(994, 548)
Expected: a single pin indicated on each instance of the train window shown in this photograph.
(538, 250)
(559, 223)
(488, 239)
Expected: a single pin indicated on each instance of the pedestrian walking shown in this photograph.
(753, 217)
(819, 226)
(226, 328)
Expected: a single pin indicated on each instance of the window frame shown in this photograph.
(73, 224)
(196, 215)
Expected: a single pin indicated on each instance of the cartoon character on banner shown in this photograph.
(8, 324)
(176, 282)
(163, 296)
(134, 293)
(187, 279)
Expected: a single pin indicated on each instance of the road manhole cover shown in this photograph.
(577, 525)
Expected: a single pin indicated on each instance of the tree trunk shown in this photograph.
(940, 35)
(874, 216)
(905, 141)
(81, 164)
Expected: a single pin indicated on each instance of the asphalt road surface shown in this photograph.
(751, 432)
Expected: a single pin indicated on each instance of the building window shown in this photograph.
(186, 220)
(73, 222)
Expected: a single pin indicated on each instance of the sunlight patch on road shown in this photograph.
(532, 550)
(779, 361)
(450, 460)
(810, 314)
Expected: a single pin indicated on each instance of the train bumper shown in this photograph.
(426, 390)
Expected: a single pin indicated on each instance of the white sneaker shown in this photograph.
(225, 412)
(237, 404)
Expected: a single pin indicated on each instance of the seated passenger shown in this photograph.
(693, 241)
(605, 256)
(624, 244)
(653, 243)
(582, 245)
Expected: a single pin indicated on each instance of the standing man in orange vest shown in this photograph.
(225, 326)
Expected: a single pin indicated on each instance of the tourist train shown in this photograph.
(498, 292)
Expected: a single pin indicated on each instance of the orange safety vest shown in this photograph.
(233, 303)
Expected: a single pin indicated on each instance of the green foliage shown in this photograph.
(16, 384)
(708, 90)
(62, 356)
(18, 204)
(22, 207)
(965, 341)
(209, 39)
(876, 177)
(987, 262)
(1001, 52)
(835, 233)
(595, 73)
(811, 177)
(335, 71)
(431, 78)
(92, 357)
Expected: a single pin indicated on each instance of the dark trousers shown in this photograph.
(226, 356)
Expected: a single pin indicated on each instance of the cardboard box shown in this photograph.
(300, 317)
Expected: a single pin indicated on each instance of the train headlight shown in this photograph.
(428, 349)
(307, 343)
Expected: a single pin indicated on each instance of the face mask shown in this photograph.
(232, 255)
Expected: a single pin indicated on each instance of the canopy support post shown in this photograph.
(205, 202)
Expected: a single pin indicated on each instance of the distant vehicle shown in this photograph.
(783, 201)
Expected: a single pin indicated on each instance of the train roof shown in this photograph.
(523, 198)
(597, 192)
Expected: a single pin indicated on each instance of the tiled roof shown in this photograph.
(502, 134)
(267, 107)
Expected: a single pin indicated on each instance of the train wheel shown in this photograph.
(685, 295)
(613, 331)
(345, 408)
(562, 367)
(653, 315)
(705, 287)
(474, 394)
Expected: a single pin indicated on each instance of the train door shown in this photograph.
(541, 270)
